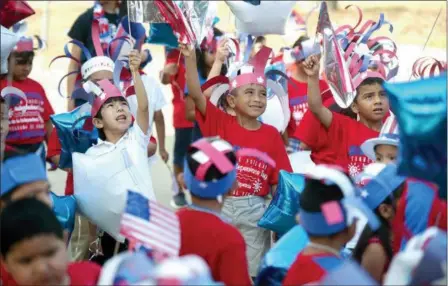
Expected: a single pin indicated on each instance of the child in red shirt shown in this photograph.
(35, 253)
(174, 74)
(347, 135)
(297, 93)
(256, 178)
(209, 174)
(325, 219)
(29, 129)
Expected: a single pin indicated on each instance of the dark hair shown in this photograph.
(299, 41)
(383, 232)
(24, 219)
(260, 40)
(212, 173)
(317, 193)
(200, 59)
(23, 56)
(369, 81)
(101, 134)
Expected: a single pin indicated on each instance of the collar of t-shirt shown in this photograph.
(207, 210)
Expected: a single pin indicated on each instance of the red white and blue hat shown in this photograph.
(26, 43)
(389, 135)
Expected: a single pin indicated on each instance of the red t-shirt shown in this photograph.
(298, 101)
(310, 268)
(340, 144)
(81, 273)
(28, 127)
(254, 176)
(54, 149)
(178, 82)
(220, 244)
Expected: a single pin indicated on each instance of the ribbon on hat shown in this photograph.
(26, 43)
(428, 66)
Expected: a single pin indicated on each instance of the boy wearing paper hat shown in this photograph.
(209, 175)
(29, 126)
(256, 178)
(326, 214)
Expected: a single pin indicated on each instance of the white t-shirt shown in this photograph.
(155, 95)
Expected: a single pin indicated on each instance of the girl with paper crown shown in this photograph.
(210, 174)
(247, 96)
(120, 154)
(327, 214)
(368, 99)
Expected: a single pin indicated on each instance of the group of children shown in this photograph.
(231, 173)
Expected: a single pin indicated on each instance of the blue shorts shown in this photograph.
(182, 139)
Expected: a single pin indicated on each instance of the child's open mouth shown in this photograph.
(378, 110)
(121, 118)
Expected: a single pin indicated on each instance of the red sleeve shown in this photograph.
(281, 159)
(291, 128)
(6, 278)
(325, 90)
(233, 269)
(213, 120)
(48, 109)
(311, 132)
(84, 273)
(153, 140)
(54, 146)
(172, 57)
(303, 273)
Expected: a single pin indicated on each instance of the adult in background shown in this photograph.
(107, 12)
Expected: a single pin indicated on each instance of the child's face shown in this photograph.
(386, 153)
(100, 75)
(116, 116)
(250, 100)
(39, 190)
(387, 212)
(209, 58)
(371, 102)
(22, 66)
(39, 260)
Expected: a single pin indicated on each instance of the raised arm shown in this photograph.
(135, 60)
(311, 67)
(222, 54)
(193, 84)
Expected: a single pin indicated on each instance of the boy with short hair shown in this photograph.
(347, 135)
(27, 130)
(322, 254)
(210, 163)
(256, 179)
(33, 248)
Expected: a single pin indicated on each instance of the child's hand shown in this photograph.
(223, 51)
(187, 51)
(135, 60)
(311, 66)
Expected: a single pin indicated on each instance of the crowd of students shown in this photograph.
(224, 157)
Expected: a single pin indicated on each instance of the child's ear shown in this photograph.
(231, 100)
(98, 123)
(354, 107)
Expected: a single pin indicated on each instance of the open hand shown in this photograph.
(135, 60)
(311, 65)
(187, 51)
(223, 51)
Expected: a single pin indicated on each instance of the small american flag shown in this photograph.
(150, 224)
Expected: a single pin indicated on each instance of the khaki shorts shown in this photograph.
(244, 213)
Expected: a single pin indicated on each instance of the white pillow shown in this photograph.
(101, 184)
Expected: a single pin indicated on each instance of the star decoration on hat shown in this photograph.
(260, 80)
(234, 83)
(102, 96)
(203, 185)
(364, 194)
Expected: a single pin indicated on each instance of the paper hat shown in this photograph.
(92, 64)
(103, 91)
(335, 216)
(428, 67)
(21, 170)
(381, 186)
(389, 135)
(362, 53)
(306, 49)
(212, 152)
(8, 42)
(26, 44)
(12, 12)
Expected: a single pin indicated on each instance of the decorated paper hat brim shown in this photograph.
(428, 67)
(389, 135)
(102, 90)
(335, 216)
(26, 44)
(9, 40)
(13, 96)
